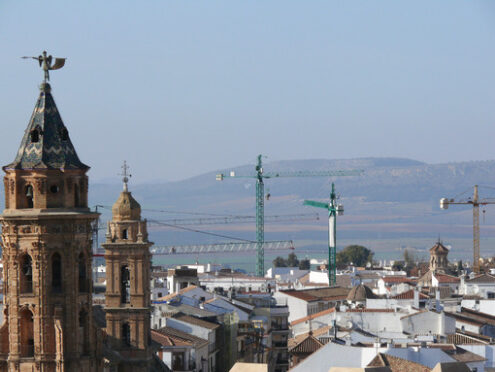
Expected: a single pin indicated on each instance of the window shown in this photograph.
(56, 273)
(124, 234)
(124, 285)
(35, 135)
(76, 196)
(83, 339)
(126, 334)
(29, 196)
(26, 277)
(27, 333)
(54, 189)
(83, 280)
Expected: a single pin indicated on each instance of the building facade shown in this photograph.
(47, 238)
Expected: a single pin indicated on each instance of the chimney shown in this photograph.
(416, 298)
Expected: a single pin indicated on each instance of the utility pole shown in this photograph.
(334, 210)
(475, 201)
(260, 196)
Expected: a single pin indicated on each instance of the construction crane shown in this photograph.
(334, 210)
(475, 201)
(221, 247)
(260, 196)
(229, 247)
(234, 219)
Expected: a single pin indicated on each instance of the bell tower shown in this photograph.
(47, 238)
(127, 297)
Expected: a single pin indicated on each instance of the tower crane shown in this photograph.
(260, 195)
(475, 201)
(334, 210)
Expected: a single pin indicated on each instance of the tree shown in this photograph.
(304, 264)
(409, 258)
(279, 262)
(357, 254)
(292, 260)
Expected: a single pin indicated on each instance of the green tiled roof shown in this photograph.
(46, 143)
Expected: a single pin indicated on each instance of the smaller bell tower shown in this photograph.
(127, 297)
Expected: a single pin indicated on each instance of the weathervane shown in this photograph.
(45, 62)
(125, 175)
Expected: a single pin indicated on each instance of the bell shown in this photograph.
(29, 192)
(28, 270)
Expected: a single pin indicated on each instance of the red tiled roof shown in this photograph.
(168, 336)
(319, 294)
(397, 279)
(313, 316)
(397, 364)
(307, 346)
(444, 278)
(409, 295)
(483, 278)
(370, 310)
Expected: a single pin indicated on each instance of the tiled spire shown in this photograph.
(46, 143)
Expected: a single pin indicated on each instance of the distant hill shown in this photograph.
(395, 198)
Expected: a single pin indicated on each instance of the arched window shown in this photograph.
(126, 334)
(56, 273)
(35, 135)
(27, 333)
(83, 277)
(124, 285)
(29, 196)
(26, 277)
(83, 338)
(76, 196)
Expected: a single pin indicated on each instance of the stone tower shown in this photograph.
(127, 297)
(438, 258)
(47, 237)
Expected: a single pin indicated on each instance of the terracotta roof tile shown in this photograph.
(307, 346)
(167, 334)
(444, 278)
(397, 364)
(313, 316)
(409, 295)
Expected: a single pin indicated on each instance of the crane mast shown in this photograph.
(334, 210)
(260, 195)
(475, 201)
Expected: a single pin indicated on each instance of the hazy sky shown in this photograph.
(179, 88)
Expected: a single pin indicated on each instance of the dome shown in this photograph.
(126, 208)
(360, 293)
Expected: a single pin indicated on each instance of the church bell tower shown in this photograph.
(47, 238)
(127, 297)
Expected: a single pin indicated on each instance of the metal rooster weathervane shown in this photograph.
(45, 62)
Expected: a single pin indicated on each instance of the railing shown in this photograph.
(279, 344)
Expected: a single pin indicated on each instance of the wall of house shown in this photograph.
(297, 308)
(428, 322)
(371, 321)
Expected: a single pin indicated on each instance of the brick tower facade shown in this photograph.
(127, 297)
(47, 237)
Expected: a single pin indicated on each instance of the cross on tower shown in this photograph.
(125, 175)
